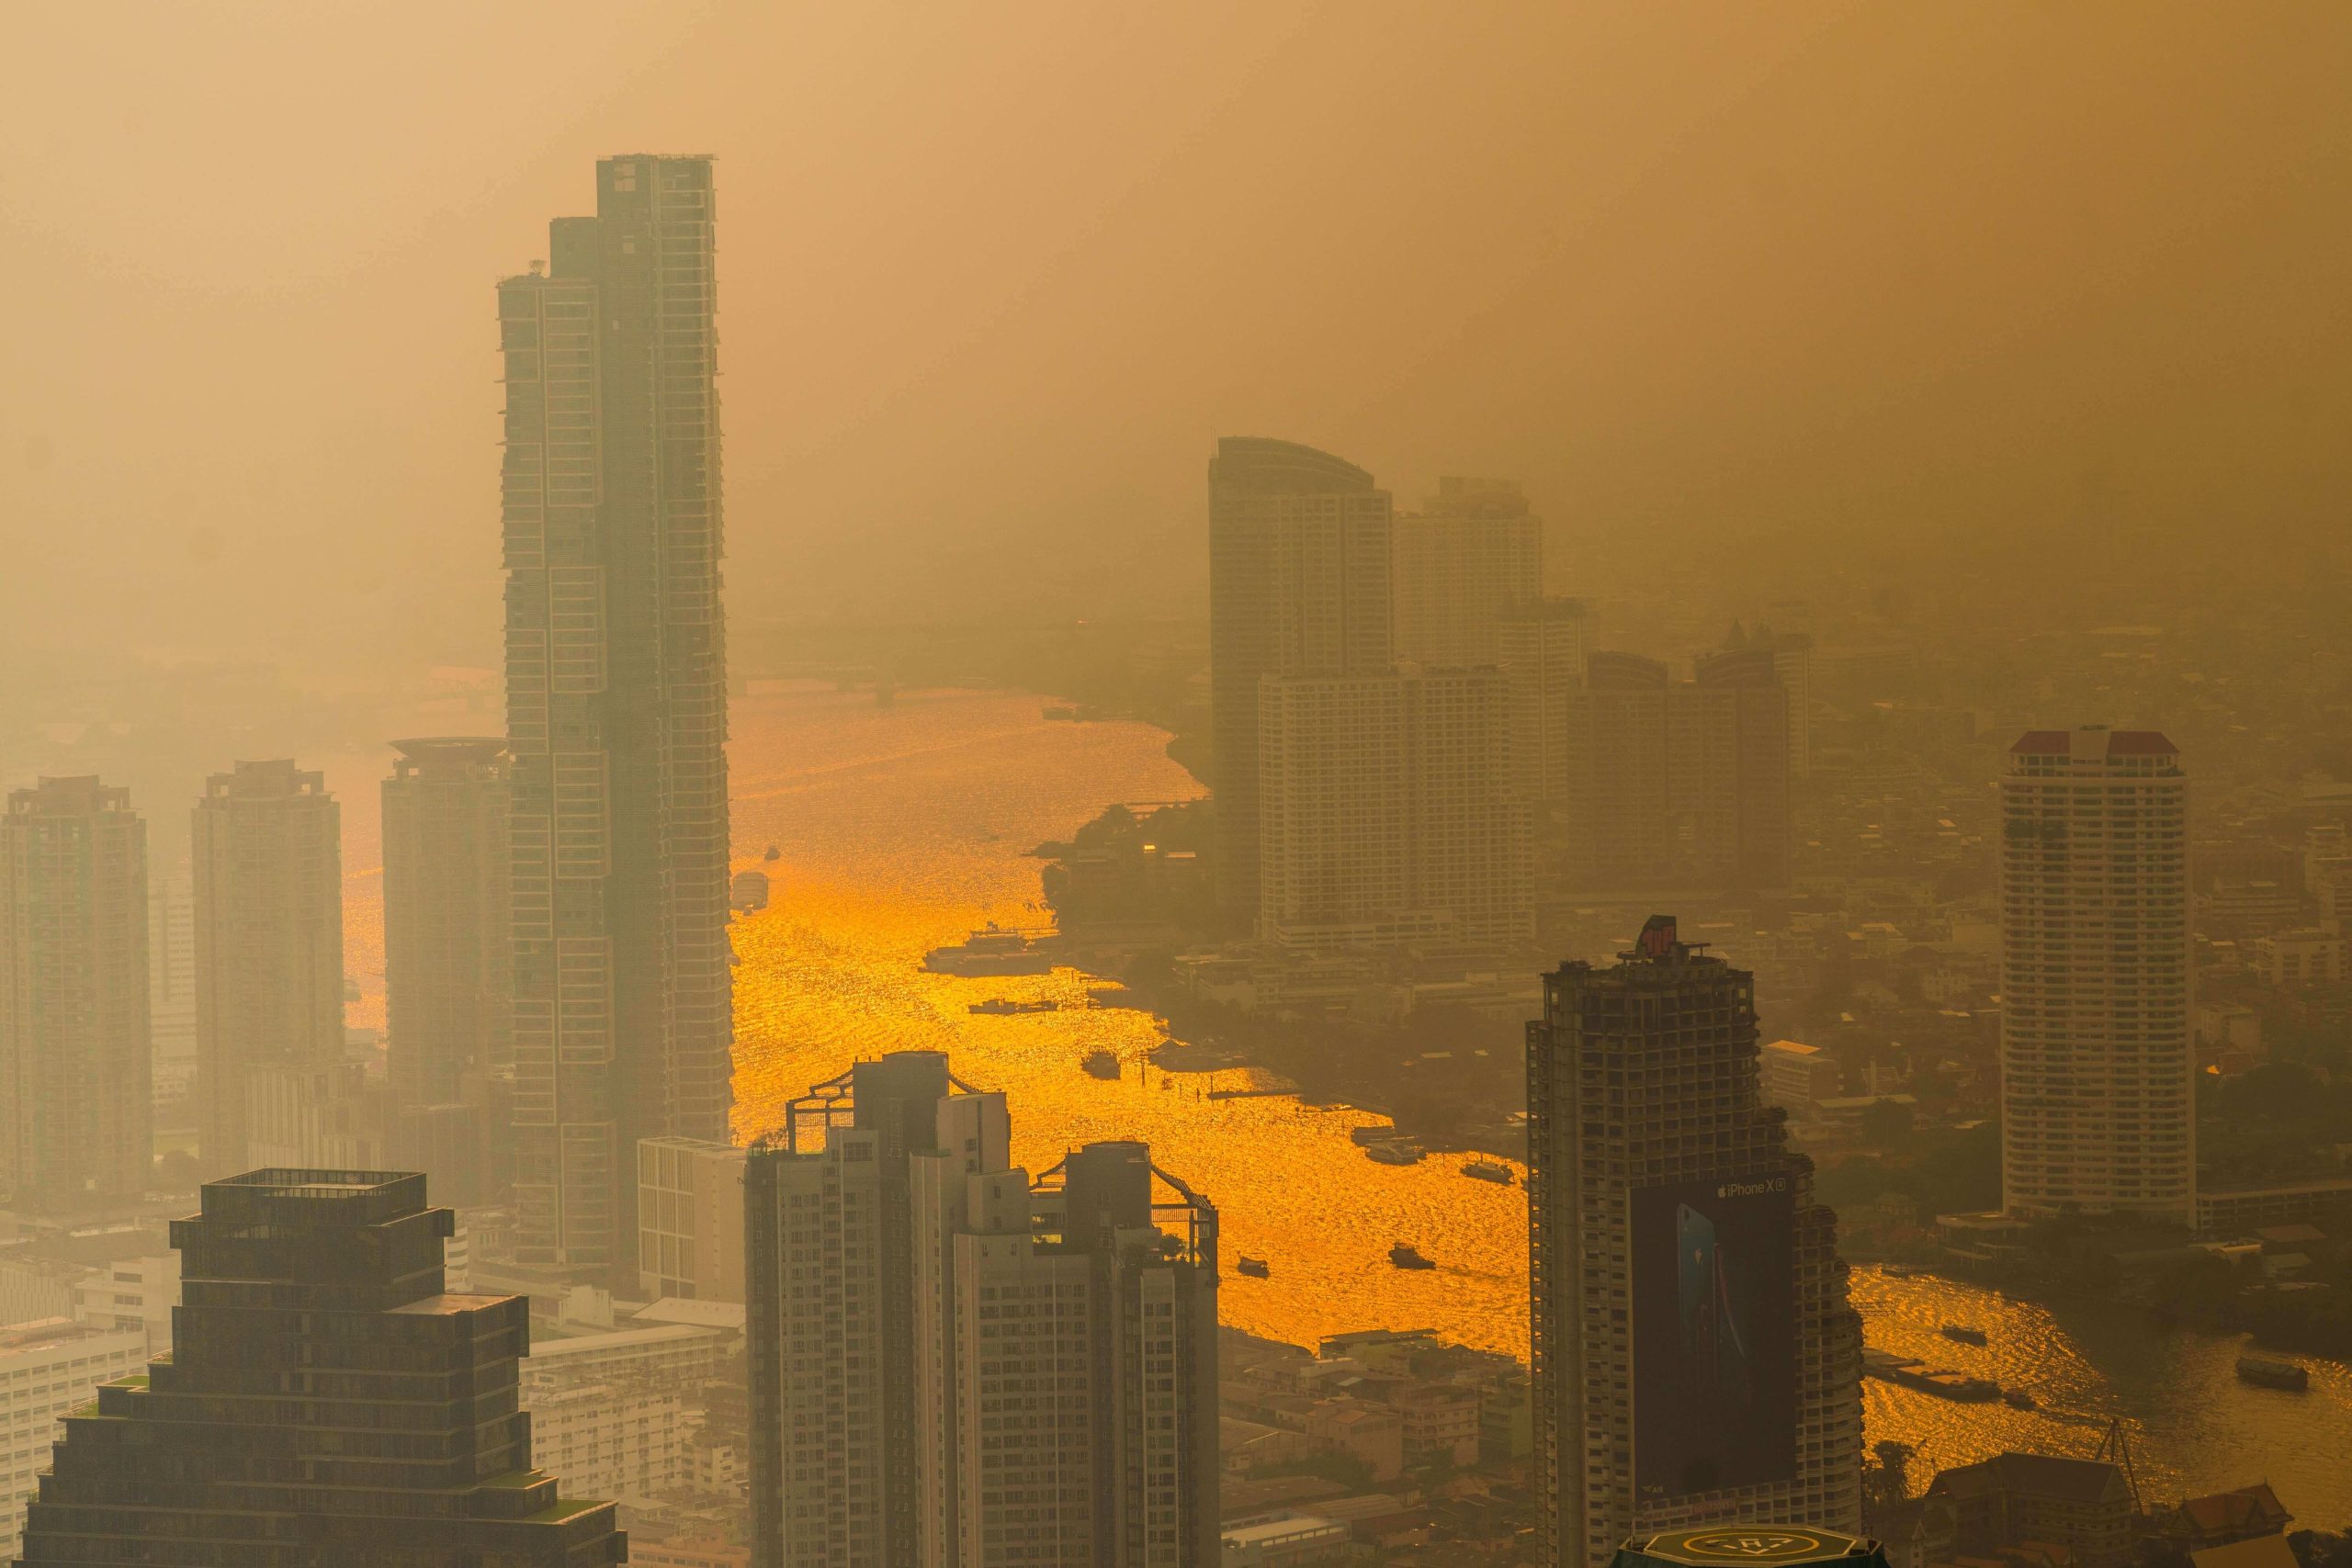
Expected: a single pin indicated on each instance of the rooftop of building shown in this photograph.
(1268, 467)
(42, 1333)
(2043, 1475)
(2094, 743)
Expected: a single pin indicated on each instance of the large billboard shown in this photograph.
(1714, 1334)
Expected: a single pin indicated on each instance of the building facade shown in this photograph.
(46, 1370)
(171, 1001)
(448, 962)
(1695, 1357)
(2098, 1055)
(1540, 646)
(76, 1111)
(1388, 814)
(616, 707)
(1458, 565)
(1299, 584)
(325, 1401)
(267, 854)
(690, 1219)
(954, 1364)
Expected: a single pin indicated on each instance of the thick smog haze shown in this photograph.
(995, 277)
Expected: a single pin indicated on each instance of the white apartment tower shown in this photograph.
(1695, 1359)
(2098, 1104)
(956, 1366)
(1459, 564)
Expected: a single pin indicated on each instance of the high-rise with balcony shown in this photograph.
(76, 1127)
(1696, 1361)
(616, 707)
(2098, 1106)
(1460, 563)
(266, 848)
(326, 1400)
(957, 1366)
(1299, 584)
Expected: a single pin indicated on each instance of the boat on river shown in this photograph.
(1904, 1373)
(2271, 1372)
(1403, 1257)
(2018, 1399)
(993, 951)
(748, 892)
(1962, 1333)
(1395, 1151)
(1488, 1170)
(1253, 1267)
(1002, 1007)
(1100, 1064)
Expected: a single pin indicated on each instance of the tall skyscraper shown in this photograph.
(266, 848)
(1459, 564)
(2097, 1109)
(1696, 1361)
(954, 1364)
(1678, 785)
(1299, 584)
(1388, 812)
(171, 998)
(325, 1402)
(447, 938)
(76, 1126)
(616, 707)
(1540, 645)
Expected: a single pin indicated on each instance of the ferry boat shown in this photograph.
(2270, 1373)
(1000, 1006)
(1395, 1151)
(1364, 1137)
(1960, 1333)
(1901, 1370)
(1253, 1267)
(991, 950)
(1488, 1170)
(1403, 1257)
(1104, 1064)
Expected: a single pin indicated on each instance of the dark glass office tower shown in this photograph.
(616, 707)
(325, 1405)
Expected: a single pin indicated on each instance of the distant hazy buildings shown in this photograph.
(1458, 564)
(2097, 1107)
(267, 848)
(1299, 584)
(447, 946)
(76, 1126)
(1678, 785)
(1540, 644)
(617, 705)
(325, 1402)
(690, 1219)
(171, 999)
(954, 1364)
(1388, 812)
(1695, 1357)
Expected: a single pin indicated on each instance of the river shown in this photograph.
(901, 829)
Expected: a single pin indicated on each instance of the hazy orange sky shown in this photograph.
(994, 276)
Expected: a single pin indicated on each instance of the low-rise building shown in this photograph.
(2083, 1505)
(611, 1439)
(47, 1368)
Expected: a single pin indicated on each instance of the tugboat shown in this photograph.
(2271, 1372)
(1253, 1267)
(1961, 1334)
(991, 951)
(1104, 1065)
(1403, 1257)
(1488, 1170)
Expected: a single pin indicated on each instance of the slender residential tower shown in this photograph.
(267, 852)
(616, 707)
(1299, 573)
(75, 1122)
(2098, 1106)
(1696, 1361)
(447, 963)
